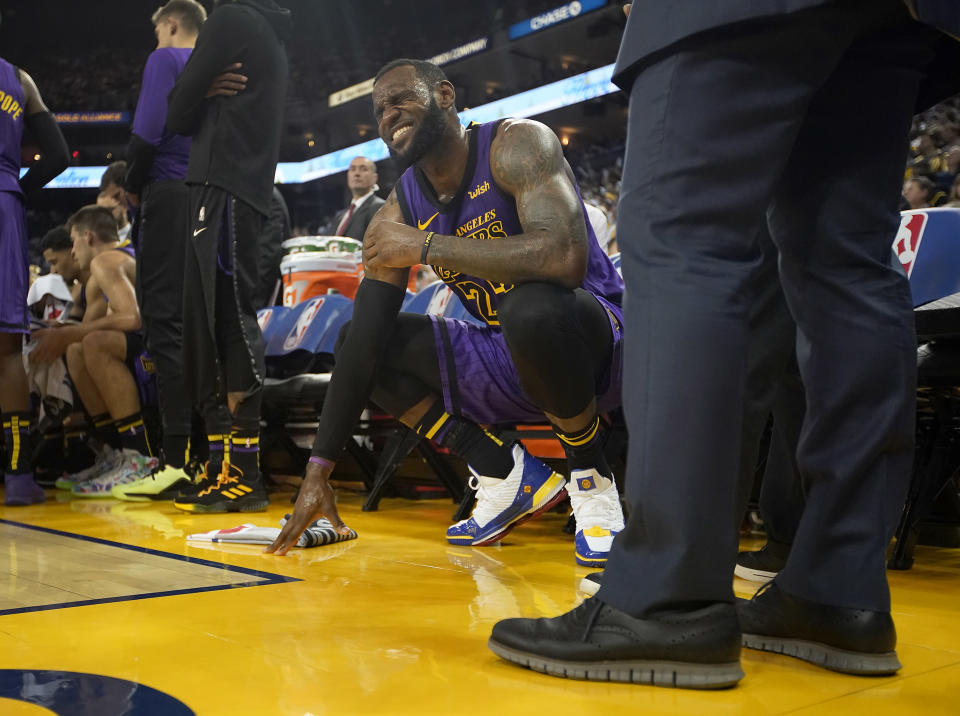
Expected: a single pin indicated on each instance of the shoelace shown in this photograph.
(601, 508)
(487, 499)
(223, 478)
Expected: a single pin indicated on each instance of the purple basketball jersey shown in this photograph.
(173, 151)
(481, 210)
(11, 127)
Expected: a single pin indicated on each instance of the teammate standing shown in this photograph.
(20, 105)
(156, 166)
(236, 142)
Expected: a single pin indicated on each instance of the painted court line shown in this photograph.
(260, 578)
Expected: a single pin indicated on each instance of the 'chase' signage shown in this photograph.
(554, 17)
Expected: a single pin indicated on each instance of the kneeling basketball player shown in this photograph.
(495, 210)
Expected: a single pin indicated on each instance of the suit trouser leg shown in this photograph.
(781, 493)
(769, 352)
(856, 345)
(712, 129)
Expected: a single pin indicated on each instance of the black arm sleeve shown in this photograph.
(374, 313)
(140, 155)
(54, 153)
(219, 43)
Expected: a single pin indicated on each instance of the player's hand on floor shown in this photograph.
(390, 244)
(228, 83)
(316, 500)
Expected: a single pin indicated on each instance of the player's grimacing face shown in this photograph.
(409, 120)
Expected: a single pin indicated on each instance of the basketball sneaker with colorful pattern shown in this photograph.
(130, 468)
(107, 459)
(530, 488)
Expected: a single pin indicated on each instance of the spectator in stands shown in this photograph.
(104, 351)
(113, 197)
(953, 159)
(918, 191)
(362, 183)
(953, 198)
(57, 250)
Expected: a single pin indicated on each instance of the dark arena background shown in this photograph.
(118, 595)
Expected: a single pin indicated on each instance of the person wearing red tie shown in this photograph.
(362, 182)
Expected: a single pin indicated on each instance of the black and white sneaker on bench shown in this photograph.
(761, 565)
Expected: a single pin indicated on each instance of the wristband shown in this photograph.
(426, 247)
(321, 462)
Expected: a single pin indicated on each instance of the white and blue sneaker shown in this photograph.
(596, 506)
(529, 489)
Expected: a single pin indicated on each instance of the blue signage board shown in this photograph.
(554, 17)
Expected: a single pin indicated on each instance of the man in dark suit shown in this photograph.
(739, 105)
(362, 182)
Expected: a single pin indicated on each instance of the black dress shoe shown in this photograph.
(693, 650)
(853, 641)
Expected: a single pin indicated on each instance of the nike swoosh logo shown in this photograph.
(199, 231)
(424, 224)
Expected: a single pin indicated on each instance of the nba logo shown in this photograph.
(303, 323)
(586, 483)
(203, 214)
(907, 243)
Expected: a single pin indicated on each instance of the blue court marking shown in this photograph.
(262, 578)
(71, 693)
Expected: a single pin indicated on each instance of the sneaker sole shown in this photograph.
(588, 587)
(600, 562)
(94, 495)
(846, 662)
(551, 502)
(14, 502)
(222, 507)
(168, 494)
(753, 575)
(656, 673)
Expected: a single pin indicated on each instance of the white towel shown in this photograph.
(319, 533)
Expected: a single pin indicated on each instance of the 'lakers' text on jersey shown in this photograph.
(480, 210)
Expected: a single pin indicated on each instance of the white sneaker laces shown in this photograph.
(598, 508)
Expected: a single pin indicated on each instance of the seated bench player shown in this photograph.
(495, 210)
(105, 354)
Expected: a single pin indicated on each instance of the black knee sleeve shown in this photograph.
(559, 341)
